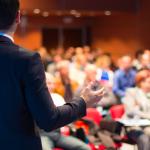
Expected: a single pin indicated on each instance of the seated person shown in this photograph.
(65, 86)
(90, 75)
(124, 77)
(137, 100)
(55, 139)
(143, 61)
(103, 63)
(137, 105)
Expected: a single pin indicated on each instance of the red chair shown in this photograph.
(94, 115)
(65, 131)
(116, 111)
(99, 147)
(81, 124)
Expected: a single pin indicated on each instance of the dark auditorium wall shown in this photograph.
(145, 24)
(123, 34)
(31, 39)
(118, 34)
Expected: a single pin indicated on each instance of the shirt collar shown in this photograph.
(6, 35)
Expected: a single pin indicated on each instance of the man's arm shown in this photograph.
(39, 101)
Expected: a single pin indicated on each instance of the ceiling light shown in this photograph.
(36, 11)
(78, 15)
(107, 13)
(45, 14)
(73, 12)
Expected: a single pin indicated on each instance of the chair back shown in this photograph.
(117, 111)
(94, 115)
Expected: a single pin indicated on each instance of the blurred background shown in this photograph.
(84, 40)
(119, 27)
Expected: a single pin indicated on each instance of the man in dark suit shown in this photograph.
(24, 98)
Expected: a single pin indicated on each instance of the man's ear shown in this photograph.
(18, 17)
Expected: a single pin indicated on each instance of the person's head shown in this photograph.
(91, 72)
(63, 67)
(103, 61)
(125, 62)
(81, 60)
(147, 51)
(138, 54)
(145, 60)
(69, 53)
(9, 15)
(86, 49)
(143, 80)
(79, 50)
(50, 82)
(60, 51)
(57, 58)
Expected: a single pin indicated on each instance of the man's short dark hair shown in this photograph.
(8, 13)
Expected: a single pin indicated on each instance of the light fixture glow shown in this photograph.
(45, 14)
(107, 13)
(78, 15)
(36, 11)
(73, 12)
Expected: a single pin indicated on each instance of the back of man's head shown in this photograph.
(8, 13)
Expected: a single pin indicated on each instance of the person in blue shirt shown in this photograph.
(124, 77)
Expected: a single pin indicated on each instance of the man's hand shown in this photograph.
(92, 96)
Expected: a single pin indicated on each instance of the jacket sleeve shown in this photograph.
(39, 101)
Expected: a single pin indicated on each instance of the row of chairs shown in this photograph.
(116, 112)
(94, 116)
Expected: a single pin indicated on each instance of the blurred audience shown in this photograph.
(91, 75)
(51, 68)
(46, 59)
(65, 86)
(103, 63)
(77, 67)
(72, 69)
(70, 52)
(136, 63)
(142, 59)
(55, 138)
(137, 99)
(145, 61)
(137, 105)
(124, 77)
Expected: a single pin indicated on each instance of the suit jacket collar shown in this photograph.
(4, 39)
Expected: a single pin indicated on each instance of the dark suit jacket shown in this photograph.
(25, 100)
